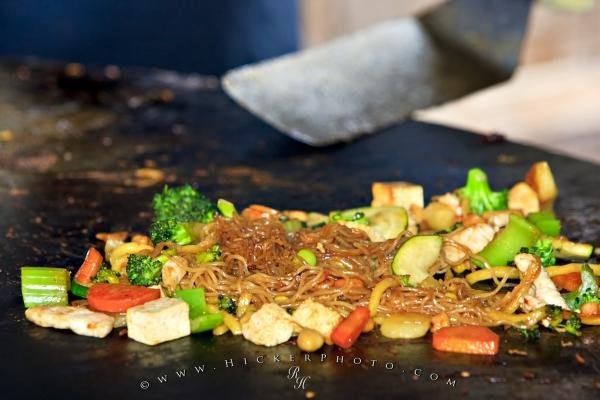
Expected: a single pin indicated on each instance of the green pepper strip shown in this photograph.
(546, 222)
(226, 208)
(206, 322)
(518, 234)
(195, 299)
(200, 319)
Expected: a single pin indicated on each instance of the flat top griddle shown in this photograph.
(69, 171)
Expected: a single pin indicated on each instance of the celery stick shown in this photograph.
(44, 286)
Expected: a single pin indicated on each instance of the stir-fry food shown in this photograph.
(469, 260)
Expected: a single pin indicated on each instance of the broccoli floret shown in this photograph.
(171, 231)
(211, 255)
(554, 316)
(183, 204)
(543, 249)
(557, 322)
(573, 325)
(144, 270)
(106, 275)
(530, 335)
(587, 291)
(228, 304)
(481, 197)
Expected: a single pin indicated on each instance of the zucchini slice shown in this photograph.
(380, 223)
(416, 256)
(567, 250)
(79, 290)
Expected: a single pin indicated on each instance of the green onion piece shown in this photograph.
(42, 286)
(195, 299)
(546, 222)
(308, 256)
(293, 225)
(206, 322)
(79, 290)
(226, 208)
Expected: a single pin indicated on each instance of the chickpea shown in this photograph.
(309, 340)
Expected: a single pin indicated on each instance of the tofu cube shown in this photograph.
(158, 321)
(401, 194)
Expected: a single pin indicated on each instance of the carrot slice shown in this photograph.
(467, 339)
(117, 297)
(256, 211)
(568, 282)
(90, 267)
(346, 333)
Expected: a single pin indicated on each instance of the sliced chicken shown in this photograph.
(498, 219)
(313, 315)
(454, 254)
(269, 326)
(78, 319)
(173, 272)
(474, 237)
(543, 288)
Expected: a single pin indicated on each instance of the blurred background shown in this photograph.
(552, 101)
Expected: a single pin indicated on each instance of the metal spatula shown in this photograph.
(363, 82)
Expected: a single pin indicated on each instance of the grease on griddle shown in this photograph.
(529, 374)
(10, 233)
(17, 192)
(507, 159)
(39, 162)
(517, 352)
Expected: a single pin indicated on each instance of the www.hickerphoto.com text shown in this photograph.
(295, 361)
